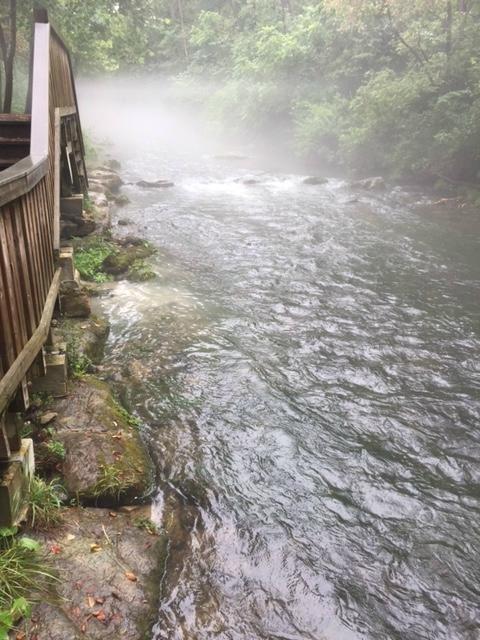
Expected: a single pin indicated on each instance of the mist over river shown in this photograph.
(309, 356)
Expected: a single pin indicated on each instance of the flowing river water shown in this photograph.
(306, 363)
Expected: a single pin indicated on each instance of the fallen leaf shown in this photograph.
(91, 601)
(94, 548)
(70, 537)
(112, 514)
(21, 635)
(131, 576)
(83, 628)
(100, 615)
(55, 549)
(99, 600)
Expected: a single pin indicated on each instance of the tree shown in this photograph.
(8, 43)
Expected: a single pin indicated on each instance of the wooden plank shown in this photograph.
(12, 309)
(14, 376)
(56, 184)
(23, 229)
(7, 351)
(4, 444)
(16, 268)
(66, 111)
(24, 272)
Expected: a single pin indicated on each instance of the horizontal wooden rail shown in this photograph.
(17, 372)
(20, 178)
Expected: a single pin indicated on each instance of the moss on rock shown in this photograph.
(126, 256)
(106, 462)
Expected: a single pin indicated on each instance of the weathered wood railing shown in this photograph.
(30, 218)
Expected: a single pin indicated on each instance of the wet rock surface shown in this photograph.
(154, 184)
(74, 301)
(315, 180)
(109, 570)
(106, 462)
(85, 336)
(130, 251)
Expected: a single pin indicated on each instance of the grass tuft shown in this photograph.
(44, 503)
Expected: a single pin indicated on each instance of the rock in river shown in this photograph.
(155, 184)
(106, 462)
(315, 180)
(371, 184)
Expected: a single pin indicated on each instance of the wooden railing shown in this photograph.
(30, 216)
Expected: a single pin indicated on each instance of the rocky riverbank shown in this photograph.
(106, 553)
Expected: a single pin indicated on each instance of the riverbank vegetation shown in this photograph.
(381, 86)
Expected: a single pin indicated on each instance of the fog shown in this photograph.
(128, 113)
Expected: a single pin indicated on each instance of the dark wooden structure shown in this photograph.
(39, 151)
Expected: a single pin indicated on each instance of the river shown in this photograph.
(308, 356)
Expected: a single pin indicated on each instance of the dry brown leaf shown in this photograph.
(94, 548)
(131, 576)
(99, 600)
(91, 601)
(100, 615)
(112, 514)
(21, 635)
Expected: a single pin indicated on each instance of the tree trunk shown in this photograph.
(182, 26)
(9, 57)
(448, 29)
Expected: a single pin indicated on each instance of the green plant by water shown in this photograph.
(24, 578)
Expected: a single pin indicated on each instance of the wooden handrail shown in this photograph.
(20, 178)
(17, 372)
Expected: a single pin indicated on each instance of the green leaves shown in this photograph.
(29, 544)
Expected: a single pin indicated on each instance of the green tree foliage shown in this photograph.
(394, 84)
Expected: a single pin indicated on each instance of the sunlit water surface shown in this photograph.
(312, 361)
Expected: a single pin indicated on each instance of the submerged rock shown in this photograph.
(155, 184)
(109, 567)
(314, 180)
(106, 462)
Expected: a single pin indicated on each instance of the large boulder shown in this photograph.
(107, 177)
(106, 462)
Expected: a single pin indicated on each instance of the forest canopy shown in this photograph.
(391, 85)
